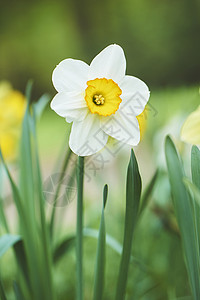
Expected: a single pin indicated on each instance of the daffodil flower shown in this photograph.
(190, 131)
(100, 100)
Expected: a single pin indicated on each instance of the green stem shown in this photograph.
(79, 228)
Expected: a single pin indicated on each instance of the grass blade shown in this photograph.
(133, 193)
(100, 259)
(184, 212)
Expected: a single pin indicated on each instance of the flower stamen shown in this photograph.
(98, 99)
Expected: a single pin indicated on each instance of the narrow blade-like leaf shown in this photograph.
(184, 212)
(195, 165)
(133, 192)
(147, 193)
(62, 248)
(17, 291)
(2, 292)
(100, 259)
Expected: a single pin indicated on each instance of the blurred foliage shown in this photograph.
(160, 38)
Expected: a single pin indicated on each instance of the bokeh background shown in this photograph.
(161, 40)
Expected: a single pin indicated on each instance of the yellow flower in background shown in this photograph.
(190, 132)
(12, 107)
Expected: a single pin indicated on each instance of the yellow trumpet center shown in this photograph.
(102, 96)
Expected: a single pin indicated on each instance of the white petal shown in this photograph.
(135, 94)
(109, 63)
(70, 75)
(123, 127)
(70, 105)
(86, 136)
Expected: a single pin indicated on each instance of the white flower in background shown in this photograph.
(190, 132)
(100, 100)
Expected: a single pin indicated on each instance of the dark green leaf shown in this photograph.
(17, 291)
(2, 292)
(147, 193)
(22, 260)
(133, 192)
(62, 248)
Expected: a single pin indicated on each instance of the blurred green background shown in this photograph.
(160, 38)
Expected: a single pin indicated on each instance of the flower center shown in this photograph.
(98, 99)
(102, 96)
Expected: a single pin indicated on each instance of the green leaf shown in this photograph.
(66, 244)
(2, 292)
(100, 258)
(17, 291)
(35, 234)
(195, 170)
(15, 191)
(184, 212)
(195, 165)
(195, 201)
(191, 187)
(110, 241)
(62, 248)
(133, 193)
(7, 241)
(21, 258)
(147, 193)
(46, 254)
(40, 105)
(3, 219)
